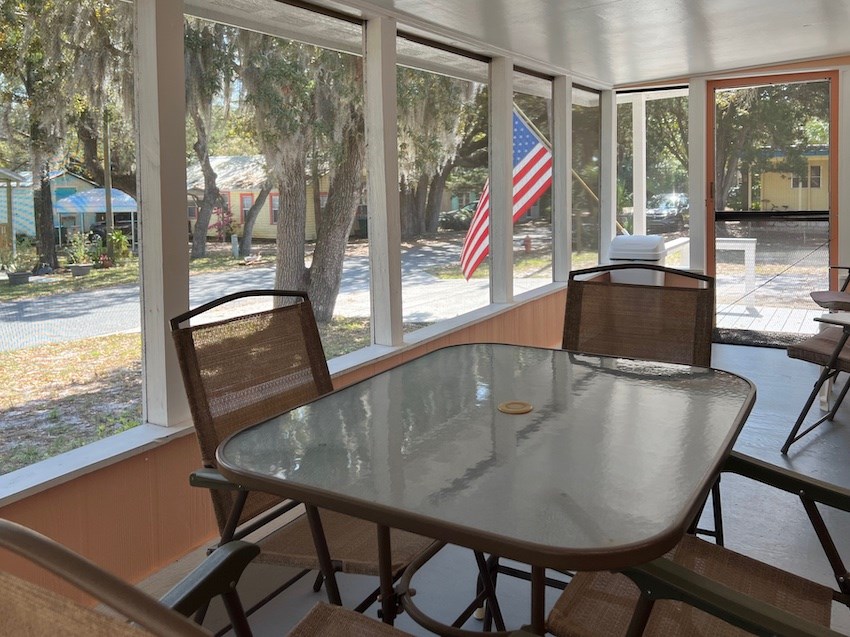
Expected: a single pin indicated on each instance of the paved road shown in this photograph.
(78, 315)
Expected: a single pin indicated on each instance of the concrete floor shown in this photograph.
(766, 524)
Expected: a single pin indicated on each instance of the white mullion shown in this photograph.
(164, 263)
(382, 161)
(697, 187)
(562, 181)
(608, 173)
(639, 164)
(501, 180)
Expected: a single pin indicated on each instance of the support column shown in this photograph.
(608, 173)
(382, 167)
(501, 180)
(562, 179)
(639, 164)
(697, 187)
(164, 261)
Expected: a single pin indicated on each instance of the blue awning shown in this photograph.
(94, 200)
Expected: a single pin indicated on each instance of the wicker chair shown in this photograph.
(671, 323)
(718, 592)
(29, 609)
(244, 370)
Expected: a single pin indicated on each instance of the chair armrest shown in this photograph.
(102, 585)
(663, 579)
(841, 319)
(209, 478)
(216, 575)
(787, 480)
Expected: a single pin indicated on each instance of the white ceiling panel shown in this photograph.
(610, 42)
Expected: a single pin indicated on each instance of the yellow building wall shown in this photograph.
(263, 227)
(777, 193)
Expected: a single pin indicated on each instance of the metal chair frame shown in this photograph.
(663, 579)
(233, 527)
(829, 372)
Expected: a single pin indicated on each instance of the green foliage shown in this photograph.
(22, 259)
(118, 246)
(80, 249)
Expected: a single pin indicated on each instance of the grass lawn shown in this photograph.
(526, 264)
(54, 398)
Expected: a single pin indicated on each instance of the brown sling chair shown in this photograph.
(241, 371)
(705, 589)
(29, 609)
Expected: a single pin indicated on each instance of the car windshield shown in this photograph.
(664, 202)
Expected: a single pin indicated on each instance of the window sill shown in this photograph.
(51, 472)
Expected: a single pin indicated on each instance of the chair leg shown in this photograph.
(317, 585)
(236, 613)
(794, 436)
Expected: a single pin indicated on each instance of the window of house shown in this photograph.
(274, 205)
(814, 176)
(246, 200)
(799, 182)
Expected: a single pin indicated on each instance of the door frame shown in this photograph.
(759, 80)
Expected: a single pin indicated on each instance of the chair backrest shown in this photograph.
(28, 609)
(241, 371)
(671, 323)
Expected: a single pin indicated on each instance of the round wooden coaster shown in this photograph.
(515, 407)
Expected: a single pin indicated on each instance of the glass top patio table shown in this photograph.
(607, 470)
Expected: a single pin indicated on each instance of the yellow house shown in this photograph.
(787, 191)
(240, 179)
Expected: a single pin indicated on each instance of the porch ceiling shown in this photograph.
(617, 42)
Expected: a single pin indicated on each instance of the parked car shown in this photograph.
(668, 212)
(458, 219)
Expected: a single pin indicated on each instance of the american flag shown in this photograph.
(532, 176)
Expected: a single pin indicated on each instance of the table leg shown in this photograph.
(323, 554)
(538, 600)
(389, 603)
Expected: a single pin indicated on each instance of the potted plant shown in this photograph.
(18, 262)
(79, 254)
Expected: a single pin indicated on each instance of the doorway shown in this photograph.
(772, 201)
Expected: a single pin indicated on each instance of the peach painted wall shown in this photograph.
(140, 514)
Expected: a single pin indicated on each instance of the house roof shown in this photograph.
(234, 172)
(26, 177)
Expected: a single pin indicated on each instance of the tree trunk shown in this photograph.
(43, 207)
(211, 192)
(332, 237)
(291, 273)
(435, 198)
(250, 219)
(86, 133)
